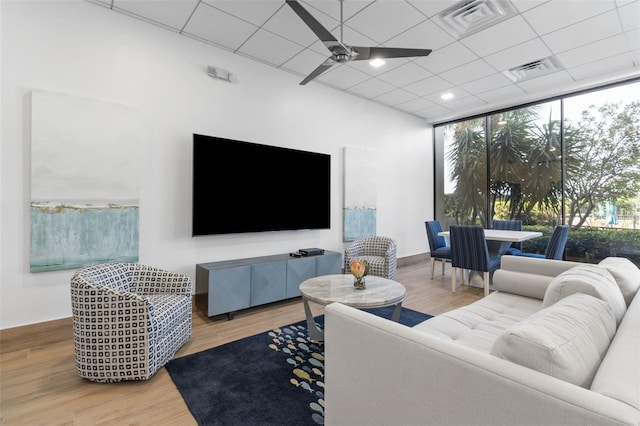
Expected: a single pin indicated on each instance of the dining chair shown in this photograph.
(437, 245)
(555, 246)
(469, 252)
(509, 225)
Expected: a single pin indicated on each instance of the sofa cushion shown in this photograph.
(479, 324)
(588, 279)
(626, 274)
(566, 340)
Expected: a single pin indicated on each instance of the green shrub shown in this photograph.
(590, 244)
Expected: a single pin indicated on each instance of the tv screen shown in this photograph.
(248, 187)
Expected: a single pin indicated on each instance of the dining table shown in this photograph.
(499, 240)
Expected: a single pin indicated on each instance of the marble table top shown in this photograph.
(327, 289)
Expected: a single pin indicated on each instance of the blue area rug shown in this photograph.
(272, 378)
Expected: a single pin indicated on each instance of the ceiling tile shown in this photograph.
(395, 97)
(428, 85)
(172, 13)
(425, 35)
(446, 58)
(415, 105)
(270, 48)
(332, 8)
(630, 16)
(433, 112)
(371, 88)
(593, 29)
(493, 39)
(304, 62)
(405, 74)
(468, 72)
(385, 19)
(256, 12)
(458, 94)
(603, 66)
(594, 51)
(503, 93)
(484, 84)
(521, 54)
(287, 24)
(524, 5)
(219, 27)
(391, 64)
(430, 8)
(554, 15)
(466, 103)
(546, 82)
(633, 39)
(343, 77)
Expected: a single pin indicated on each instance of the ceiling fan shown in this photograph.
(342, 53)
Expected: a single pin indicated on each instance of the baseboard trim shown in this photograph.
(416, 258)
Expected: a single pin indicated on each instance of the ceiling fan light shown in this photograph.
(377, 62)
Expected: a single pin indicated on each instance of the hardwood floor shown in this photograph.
(39, 385)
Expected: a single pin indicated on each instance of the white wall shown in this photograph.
(85, 50)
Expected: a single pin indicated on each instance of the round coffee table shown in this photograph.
(326, 289)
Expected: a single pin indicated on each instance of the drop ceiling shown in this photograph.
(488, 54)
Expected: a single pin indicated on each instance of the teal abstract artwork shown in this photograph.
(85, 182)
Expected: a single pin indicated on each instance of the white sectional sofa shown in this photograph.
(556, 343)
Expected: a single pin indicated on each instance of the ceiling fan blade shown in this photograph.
(322, 68)
(387, 52)
(323, 34)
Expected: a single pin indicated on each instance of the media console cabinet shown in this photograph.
(231, 285)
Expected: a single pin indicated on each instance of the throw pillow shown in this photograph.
(588, 279)
(626, 274)
(566, 340)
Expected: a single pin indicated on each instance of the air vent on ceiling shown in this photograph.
(470, 16)
(533, 69)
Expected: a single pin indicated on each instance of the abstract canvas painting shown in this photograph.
(359, 193)
(85, 181)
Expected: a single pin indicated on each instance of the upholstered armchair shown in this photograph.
(129, 320)
(378, 251)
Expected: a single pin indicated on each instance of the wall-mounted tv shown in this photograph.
(248, 187)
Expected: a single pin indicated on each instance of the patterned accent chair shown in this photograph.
(129, 320)
(378, 251)
(509, 225)
(469, 252)
(437, 245)
(555, 246)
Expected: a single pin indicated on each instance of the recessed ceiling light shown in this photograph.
(377, 62)
(446, 96)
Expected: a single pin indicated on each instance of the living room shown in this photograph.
(88, 51)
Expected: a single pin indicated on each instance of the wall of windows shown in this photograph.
(573, 160)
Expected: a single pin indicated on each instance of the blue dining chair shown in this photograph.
(437, 245)
(509, 225)
(469, 252)
(555, 246)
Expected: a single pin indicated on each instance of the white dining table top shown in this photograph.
(503, 235)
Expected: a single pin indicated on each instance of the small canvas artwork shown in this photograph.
(359, 193)
(85, 182)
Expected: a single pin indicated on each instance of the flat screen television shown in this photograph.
(248, 187)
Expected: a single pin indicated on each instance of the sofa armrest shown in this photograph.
(407, 377)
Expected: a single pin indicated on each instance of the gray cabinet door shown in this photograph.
(299, 270)
(229, 289)
(268, 282)
(329, 264)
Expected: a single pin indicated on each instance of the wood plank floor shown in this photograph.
(38, 383)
